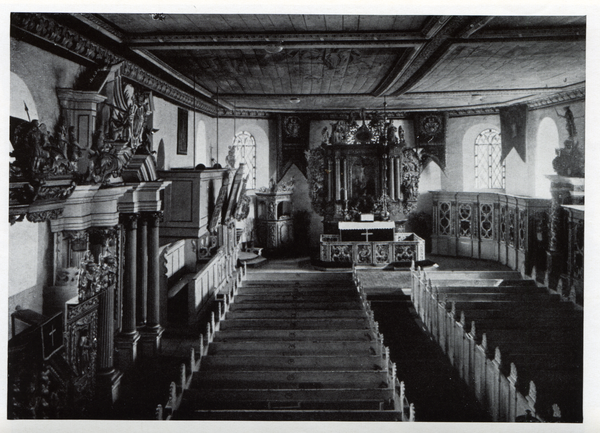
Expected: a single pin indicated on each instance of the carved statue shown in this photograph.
(570, 119)
(95, 277)
(325, 136)
(570, 160)
(392, 139)
(39, 155)
(106, 159)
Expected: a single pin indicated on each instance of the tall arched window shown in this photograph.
(245, 151)
(490, 170)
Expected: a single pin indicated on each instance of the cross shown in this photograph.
(366, 235)
(51, 334)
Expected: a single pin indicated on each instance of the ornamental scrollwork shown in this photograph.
(39, 217)
(94, 277)
(39, 155)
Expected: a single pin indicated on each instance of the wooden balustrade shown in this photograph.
(400, 403)
(195, 358)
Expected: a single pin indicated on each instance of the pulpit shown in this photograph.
(274, 216)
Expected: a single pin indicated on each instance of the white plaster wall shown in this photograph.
(42, 72)
(20, 95)
(546, 145)
(519, 175)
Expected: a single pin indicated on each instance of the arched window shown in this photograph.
(245, 151)
(490, 170)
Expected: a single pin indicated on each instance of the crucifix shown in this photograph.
(366, 235)
(51, 334)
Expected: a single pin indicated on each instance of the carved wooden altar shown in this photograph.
(367, 169)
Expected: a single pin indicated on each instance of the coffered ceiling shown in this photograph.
(343, 62)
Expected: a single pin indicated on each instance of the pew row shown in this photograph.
(273, 355)
(488, 330)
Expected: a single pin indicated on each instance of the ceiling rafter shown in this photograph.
(531, 33)
(218, 41)
(428, 53)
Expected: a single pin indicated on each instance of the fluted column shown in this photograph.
(142, 271)
(128, 338)
(108, 378)
(329, 180)
(152, 332)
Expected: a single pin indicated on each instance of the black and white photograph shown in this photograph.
(300, 217)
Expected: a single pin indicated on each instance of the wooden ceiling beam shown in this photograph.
(219, 41)
(403, 75)
(530, 33)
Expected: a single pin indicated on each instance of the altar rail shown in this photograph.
(405, 247)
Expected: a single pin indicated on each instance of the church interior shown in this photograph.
(296, 217)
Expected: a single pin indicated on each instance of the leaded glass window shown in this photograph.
(490, 170)
(245, 151)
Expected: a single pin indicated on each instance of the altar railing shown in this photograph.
(404, 248)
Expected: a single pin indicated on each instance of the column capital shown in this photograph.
(129, 220)
(154, 218)
(103, 235)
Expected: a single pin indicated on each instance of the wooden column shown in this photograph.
(109, 379)
(152, 332)
(338, 178)
(142, 271)
(329, 180)
(345, 175)
(392, 182)
(397, 177)
(128, 338)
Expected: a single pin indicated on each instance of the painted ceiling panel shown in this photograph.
(507, 65)
(297, 71)
(527, 22)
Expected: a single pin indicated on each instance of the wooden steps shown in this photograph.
(293, 346)
(332, 362)
(297, 415)
(308, 347)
